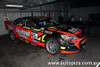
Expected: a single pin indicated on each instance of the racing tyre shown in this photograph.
(12, 36)
(52, 46)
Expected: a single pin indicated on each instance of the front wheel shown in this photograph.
(52, 46)
(12, 36)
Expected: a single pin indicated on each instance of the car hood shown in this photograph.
(64, 28)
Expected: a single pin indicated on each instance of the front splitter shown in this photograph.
(68, 52)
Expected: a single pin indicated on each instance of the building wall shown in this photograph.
(56, 10)
(12, 14)
(2, 28)
(84, 12)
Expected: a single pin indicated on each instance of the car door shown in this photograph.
(24, 30)
(21, 32)
(37, 36)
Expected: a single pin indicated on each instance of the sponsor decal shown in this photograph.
(11, 27)
(23, 33)
(33, 44)
(23, 36)
(34, 41)
(26, 41)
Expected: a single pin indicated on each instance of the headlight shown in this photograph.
(67, 37)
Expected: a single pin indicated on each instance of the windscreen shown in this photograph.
(47, 22)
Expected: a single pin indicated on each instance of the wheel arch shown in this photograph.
(13, 32)
(58, 45)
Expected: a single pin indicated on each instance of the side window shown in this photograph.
(27, 24)
(19, 22)
(30, 23)
(42, 23)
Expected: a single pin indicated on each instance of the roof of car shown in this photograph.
(36, 17)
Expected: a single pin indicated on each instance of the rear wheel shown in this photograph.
(52, 46)
(12, 36)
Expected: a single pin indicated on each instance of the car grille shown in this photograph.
(74, 48)
(80, 35)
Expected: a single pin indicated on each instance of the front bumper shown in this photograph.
(79, 45)
(68, 52)
(71, 50)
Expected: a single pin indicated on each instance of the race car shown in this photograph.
(48, 33)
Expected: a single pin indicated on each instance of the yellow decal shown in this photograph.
(53, 27)
(63, 47)
(43, 38)
(39, 38)
(37, 29)
(26, 27)
(26, 41)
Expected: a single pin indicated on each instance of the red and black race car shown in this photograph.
(47, 33)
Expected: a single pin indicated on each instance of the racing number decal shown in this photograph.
(43, 38)
(39, 38)
(34, 35)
